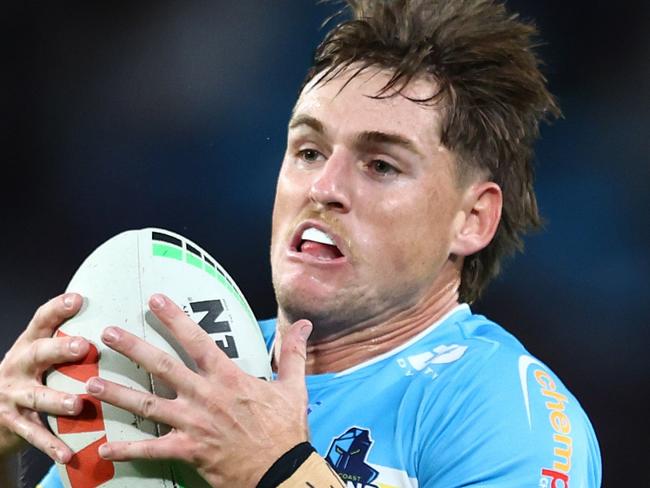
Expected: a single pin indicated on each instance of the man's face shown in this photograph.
(365, 204)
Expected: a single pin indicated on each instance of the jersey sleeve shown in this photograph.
(51, 479)
(506, 422)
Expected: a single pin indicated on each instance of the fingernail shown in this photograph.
(305, 330)
(110, 335)
(68, 301)
(157, 302)
(75, 346)
(68, 403)
(94, 385)
(104, 450)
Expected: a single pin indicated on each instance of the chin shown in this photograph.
(330, 315)
(305, 291)
(298, 305)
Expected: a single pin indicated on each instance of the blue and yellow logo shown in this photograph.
(347, 455)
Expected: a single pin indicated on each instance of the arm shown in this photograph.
(301, 467)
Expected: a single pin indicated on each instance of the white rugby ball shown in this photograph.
(116, 281)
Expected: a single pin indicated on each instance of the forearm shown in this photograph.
(301, 467)
(315, 472)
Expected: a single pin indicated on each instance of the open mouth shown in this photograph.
(318, 244)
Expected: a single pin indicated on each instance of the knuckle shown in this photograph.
(37, 353)
(187, 447)
(45, 313)
(199, 341)
(182, 449)
(148, 406)
(30, 399)
(231, 379)
(198, 336)
(294, 347)
(148, 451)
(164, 364)
(40, 314)
(41, 398)
(51, 450)
(206, 360)
(193, 453)
(7, 418)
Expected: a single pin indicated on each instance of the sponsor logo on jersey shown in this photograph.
(424, 362)
(557, 475)
(347, 455)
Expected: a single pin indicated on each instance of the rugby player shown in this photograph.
(407, 178)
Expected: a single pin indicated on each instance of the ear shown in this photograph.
(478, 219)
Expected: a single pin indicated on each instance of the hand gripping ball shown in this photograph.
(116, 281)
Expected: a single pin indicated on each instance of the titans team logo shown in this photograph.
(347, 455)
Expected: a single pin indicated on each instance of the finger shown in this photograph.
(293, 353)
(38, 436)
(196, 341)
(140, 403)
(166, 447)
(160, 364)
(51, 315)
(45, 352)
(43, 399)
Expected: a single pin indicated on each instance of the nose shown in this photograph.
(330, 188)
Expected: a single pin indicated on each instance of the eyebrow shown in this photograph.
(309, 121)
(365, 138)
(378, 137)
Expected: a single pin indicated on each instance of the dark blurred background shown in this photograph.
(121, 115)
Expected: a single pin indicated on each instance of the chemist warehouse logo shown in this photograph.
(557, 475)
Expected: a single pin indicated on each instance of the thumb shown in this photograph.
(293, 353)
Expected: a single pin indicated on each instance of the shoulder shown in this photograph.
(500, 371)
(506, 414)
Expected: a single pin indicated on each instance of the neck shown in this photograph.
(332, 355)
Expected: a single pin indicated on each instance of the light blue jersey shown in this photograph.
(461, 404)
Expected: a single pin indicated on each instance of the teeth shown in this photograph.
(312, 234)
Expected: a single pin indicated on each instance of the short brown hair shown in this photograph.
(492, 92)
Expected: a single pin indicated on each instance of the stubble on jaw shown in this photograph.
(353, 311)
